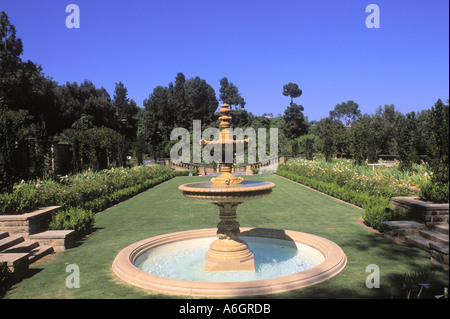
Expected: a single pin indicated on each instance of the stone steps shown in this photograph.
(419, 241)
(19, 253)
(434, 235)
(25, 238)
(10, 241)
(434, 239)
(22, 247)
(442, 229)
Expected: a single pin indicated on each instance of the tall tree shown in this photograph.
(13, 131)
(85, 98)
(126, 111)
(295, 124)
(11, 47)
(362, 140)
(229, 94)
(23, 86)
(346, 112)
(201, 101)
(292, 90)
(407, 142)
(439, 152)
(175, 106)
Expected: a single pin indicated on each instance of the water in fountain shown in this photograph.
(185, 260)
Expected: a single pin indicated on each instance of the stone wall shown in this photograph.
(27, 224)
(429, 213)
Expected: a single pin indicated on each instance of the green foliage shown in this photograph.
(292, 90)
(308, 145)
(346, 112)
(175, 106)
(294, 122)
(436, 192)
(229, 94)
(411, 285)
(349, 183)
(12, 133)
(88, 190)
(73, 218)
(23, 198)
(439, 150)
(95, 148)
(407, 150)
(5, 278)
(82, 194)
(362, 140)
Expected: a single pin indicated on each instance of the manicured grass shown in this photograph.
(163, 209)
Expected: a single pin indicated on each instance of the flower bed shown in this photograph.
(88, 192)
(370, 189)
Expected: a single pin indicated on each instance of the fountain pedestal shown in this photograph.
(228, 252)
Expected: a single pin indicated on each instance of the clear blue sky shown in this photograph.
(323, 45)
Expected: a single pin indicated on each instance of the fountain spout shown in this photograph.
(227, 144)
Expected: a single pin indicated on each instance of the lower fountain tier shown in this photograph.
(238, 193)
(228, 253)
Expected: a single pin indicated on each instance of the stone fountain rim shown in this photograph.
(226, 189)
(335, 261)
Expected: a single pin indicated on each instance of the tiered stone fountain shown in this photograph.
(229, 252)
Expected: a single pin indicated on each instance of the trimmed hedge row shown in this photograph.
(83, 194)
(377, 207)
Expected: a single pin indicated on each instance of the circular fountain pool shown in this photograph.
(174, 263)
(185, 260)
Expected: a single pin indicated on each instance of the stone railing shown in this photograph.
(203, 170)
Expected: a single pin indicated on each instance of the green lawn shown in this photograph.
(163, 209)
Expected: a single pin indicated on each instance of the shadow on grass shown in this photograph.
(6, 286)
(387, 250)
(81, 238)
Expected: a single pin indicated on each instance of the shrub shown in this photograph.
(435, 192)
(77, 219)
(22, 199)
(84, 193)
(353, 184)
(5, 278)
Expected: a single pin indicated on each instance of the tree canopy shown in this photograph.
(229, 94)
(292, 90)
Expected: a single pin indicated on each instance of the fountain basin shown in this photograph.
(237, 193)
(331, 262)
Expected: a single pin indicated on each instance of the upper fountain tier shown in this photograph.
(226, 187)
(228, 144)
